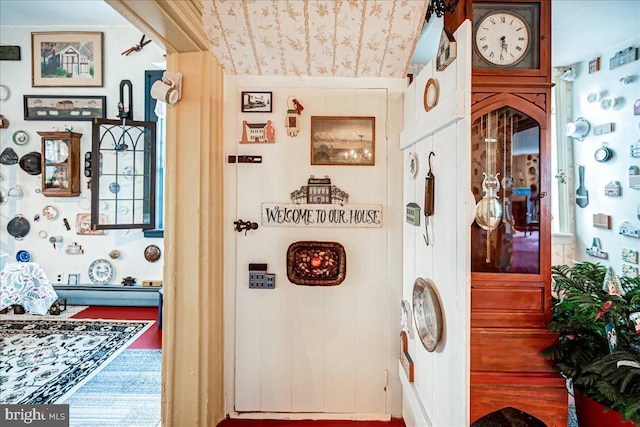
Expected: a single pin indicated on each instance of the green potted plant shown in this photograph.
(598, 345)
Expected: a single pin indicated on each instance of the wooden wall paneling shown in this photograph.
(249, 377)
(308, 333)
(275, 348)
(340, 318)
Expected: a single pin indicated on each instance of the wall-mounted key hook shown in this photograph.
(241, 225)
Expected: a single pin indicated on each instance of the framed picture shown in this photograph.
(74, 279)
(61, 107)
(343, 140)
(256, 102)
(66, 59)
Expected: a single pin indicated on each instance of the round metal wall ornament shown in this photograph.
(427, 313)
(430, 94)
(152, 253)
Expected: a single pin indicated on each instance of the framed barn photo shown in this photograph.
(338, 140)
(66, 59)
(257, 102)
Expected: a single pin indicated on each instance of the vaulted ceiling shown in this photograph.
(329, 38)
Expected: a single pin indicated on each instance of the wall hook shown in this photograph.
(245, 226)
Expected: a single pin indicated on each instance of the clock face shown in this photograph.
(502, 38)
(506, 35)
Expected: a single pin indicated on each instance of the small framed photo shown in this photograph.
(73, 279)
(61, 107)
(257, 102)
(66, 59)
(343, 140)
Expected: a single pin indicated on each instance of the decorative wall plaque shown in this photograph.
(316, 263)
(601, 220)
(595, 250)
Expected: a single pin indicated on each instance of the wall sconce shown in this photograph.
(578, 129)
(168, 89)
(569, 75)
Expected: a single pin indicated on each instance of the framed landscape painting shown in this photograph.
(343, 140)
(66, 59)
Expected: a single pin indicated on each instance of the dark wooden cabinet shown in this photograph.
(60, 164)
(511, 237)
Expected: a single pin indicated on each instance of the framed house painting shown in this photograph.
(338, 140)
(66, 59)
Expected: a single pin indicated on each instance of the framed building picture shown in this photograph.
(66, 59)
(257, 102)
(338, 140)
(64, 107)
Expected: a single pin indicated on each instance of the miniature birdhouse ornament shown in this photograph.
(292, 119)
(612, 283)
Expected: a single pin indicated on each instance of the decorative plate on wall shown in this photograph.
(427, 313)
(316, 263)
(101, 271)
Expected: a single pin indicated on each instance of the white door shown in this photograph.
(312, 349)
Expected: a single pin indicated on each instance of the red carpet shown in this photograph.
(152, 337)
(396, 422)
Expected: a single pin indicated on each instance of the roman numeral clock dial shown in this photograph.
(502, 38)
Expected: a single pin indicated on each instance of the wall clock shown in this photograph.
(505, 35)
(430, 94)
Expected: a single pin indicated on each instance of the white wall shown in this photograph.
(597, 175)
(439, 396)
(16, 75)
(297, 348)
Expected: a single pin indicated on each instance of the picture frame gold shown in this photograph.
(343, 140)
(66, 59)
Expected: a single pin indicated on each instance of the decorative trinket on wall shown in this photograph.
(431, 91)
(612, 284)
(582, 194)
(319, 191)
(594, 65)
(292, 119)
(405, 357)
(595, 250)
(630, 255)
(4, 122)
(114, 254)
(429, 200)
(72, 279)
(613, 189)
(406, 319)
(628, 229)
(55, 240)
(578, 129)
(258, 133)
(634, 177)
(8, 157)
(412, 165)
(603, 129)
(83, 225)
(259, 278)
(152, 253)
(23, 256)
(447, 50)
(427, 313)
(101, 271)
(74, 249)
(413, 214)
(601, 220)
(634, 150)
(128, 281)
(623, 57)
(636, 108)
(603, 153)
(635, 318)
(629, 271)
(316, 263)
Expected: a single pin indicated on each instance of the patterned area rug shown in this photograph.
(44, 361)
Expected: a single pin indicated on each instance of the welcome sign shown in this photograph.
(310, 215)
